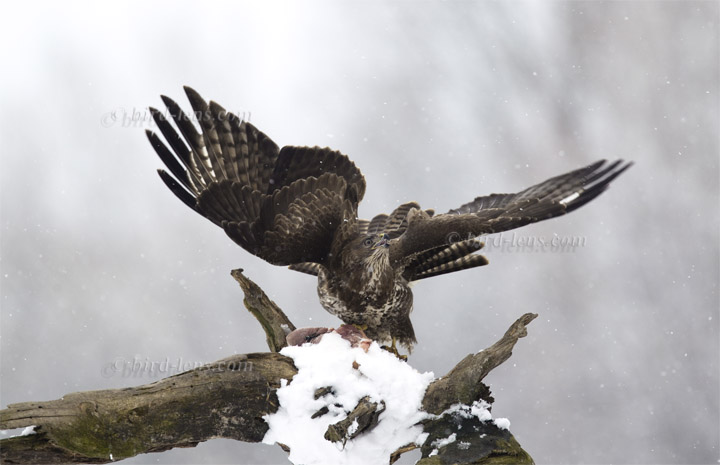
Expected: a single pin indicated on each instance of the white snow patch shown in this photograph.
(480, 409)
(380, 375)
(440, 443)
(353, 427)
(502, 423)
(421, 439)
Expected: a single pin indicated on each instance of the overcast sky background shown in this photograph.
(435, 102)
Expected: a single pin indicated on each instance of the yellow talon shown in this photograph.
(393, 349)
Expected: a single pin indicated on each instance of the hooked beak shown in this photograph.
(383, 242)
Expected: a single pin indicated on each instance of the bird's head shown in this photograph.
(374, 242)
(375, 252)
(369, 251)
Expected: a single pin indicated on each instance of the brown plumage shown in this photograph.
(297, 206)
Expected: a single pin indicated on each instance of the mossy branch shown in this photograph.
(225, 399)
(228, 399)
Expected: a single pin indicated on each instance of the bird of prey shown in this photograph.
(297, 207)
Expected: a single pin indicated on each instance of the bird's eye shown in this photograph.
(368, 242)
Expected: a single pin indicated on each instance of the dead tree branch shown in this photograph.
(228, 399)
(462, 385)
(272, 319)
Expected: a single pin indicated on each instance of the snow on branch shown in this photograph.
(330, 402)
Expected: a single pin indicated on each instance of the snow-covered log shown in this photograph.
(359, 417)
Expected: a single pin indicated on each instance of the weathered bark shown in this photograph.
(475, 442)
(272, 319)
(228, 398)
(462, 384)
(225, 399)
(365, 416)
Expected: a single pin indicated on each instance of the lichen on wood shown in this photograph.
(225, 399)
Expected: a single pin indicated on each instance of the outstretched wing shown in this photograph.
(571, 190)
(281, 205)
(426, 237)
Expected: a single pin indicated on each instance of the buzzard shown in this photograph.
(297, 207)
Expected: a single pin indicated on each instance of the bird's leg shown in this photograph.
(393, 349)
(360, 327)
